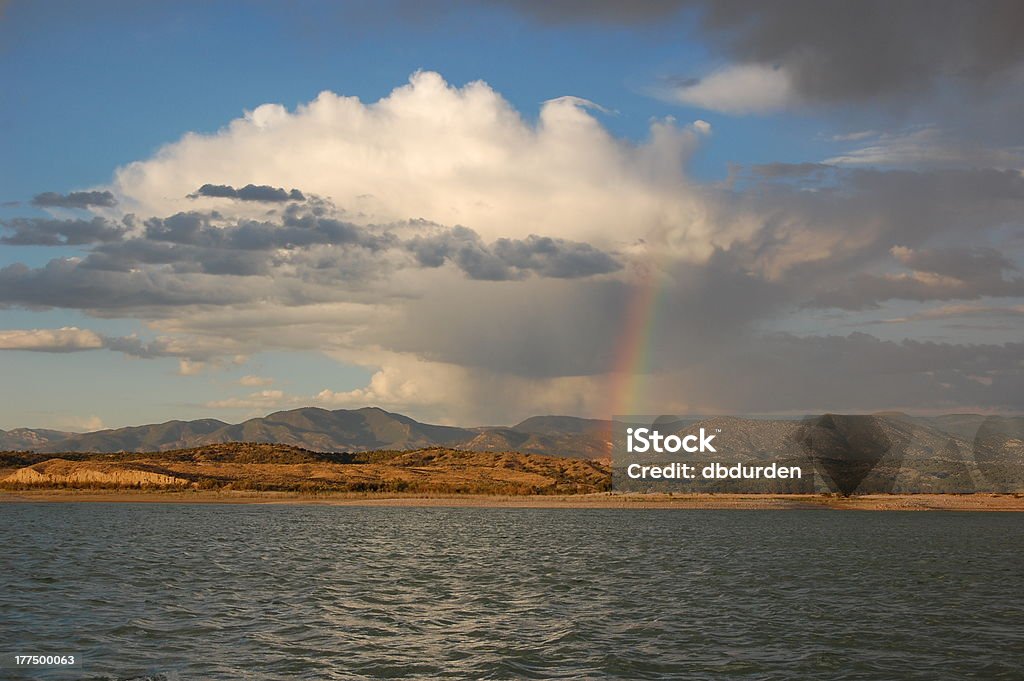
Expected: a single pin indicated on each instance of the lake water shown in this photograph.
(203, 592)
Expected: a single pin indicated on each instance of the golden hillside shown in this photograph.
(250, 466)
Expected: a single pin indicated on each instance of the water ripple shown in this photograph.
(179, 592)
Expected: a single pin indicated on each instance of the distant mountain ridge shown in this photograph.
(322, 430)
(372, 428)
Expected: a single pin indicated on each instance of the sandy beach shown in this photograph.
(880, 502)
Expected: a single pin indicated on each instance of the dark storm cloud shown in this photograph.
(707, 331)
(65, 283)
(839, 50)
(862, 372)
(940, 274)
(707, 342)
(866, 291)
(472, 256)
(884, 221)
(293, 231)
(937, 274)
(250, 192)
(152, 291)
(975, 184)
(180, 228)
(543, 329)
(555, 258)
(205, 243)
(50, 232)
(183, 259)
(844, 242)
(508, 259)
(102, 199)
(960, 263)
(204, 259)
(836, 50)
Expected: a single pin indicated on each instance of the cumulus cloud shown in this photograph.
(483, 268)
(101, 199)
(64, 339)
(450, 155)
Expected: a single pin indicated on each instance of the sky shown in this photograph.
(471, 213)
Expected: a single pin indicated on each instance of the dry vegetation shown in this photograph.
(267, 467)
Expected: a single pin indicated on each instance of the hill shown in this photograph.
(256, 466)
(324, 430)
(943, 454)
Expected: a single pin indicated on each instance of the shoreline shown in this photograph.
(873, 502)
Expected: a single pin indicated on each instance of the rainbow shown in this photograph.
(632, 365)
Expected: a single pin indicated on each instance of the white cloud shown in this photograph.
(262, 399)
(254, 381)
(84, 424)
(454, 156)
(737, 89)
(64, 339)
(188, 367)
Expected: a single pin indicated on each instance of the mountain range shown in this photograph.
(322, 430)
(950, 453)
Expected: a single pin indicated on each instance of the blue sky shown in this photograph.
(92, 87)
